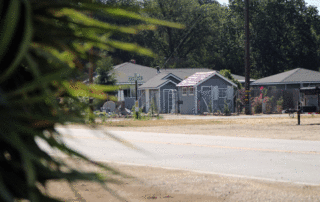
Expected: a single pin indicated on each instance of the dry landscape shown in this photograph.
(160, 184)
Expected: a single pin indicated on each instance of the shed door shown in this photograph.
(169, 101)
(206, 99)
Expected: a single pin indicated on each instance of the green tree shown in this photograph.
(104, 68)
(187, 47)
(41, 45)
(284, 35)
(227, 74)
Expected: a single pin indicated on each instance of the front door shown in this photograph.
(169, 101)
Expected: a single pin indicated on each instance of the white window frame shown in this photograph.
(184, 91)
(202, 87)
(225, 91)
(189, 90)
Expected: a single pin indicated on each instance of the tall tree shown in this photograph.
(104, 68)
(182, 47)
(284, 35)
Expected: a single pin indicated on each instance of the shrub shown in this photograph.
(226, 109)
(257, 104)
(268, 102)
(280, 104)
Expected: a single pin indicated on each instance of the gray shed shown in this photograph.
(161, 90)
(205, 92)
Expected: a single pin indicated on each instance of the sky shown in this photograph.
(315, 3)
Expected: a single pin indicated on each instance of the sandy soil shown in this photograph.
(158, 184)
(275, 128)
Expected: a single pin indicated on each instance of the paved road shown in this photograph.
(280, 160)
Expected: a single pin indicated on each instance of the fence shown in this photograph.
(206, 100)
(211, 100)
(269, 100)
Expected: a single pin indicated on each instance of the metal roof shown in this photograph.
(298, 75)
(194, 79)
(200, 77)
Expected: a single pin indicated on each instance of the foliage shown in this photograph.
(226, 109)
(153, 107)
(269, 103)
(104, 69)
(42, 44)
(262, 98)
(227, 74)
(280, 101)
(280, 104)
(284, 35)
(242, 96)
(257, 102)
(210, 107)
(136, 116)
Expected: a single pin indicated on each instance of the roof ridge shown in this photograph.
(293, 72)
(120, 65)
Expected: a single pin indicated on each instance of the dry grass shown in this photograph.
(184, 122)
(270, 127)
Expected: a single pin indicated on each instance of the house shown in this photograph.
(242, 79)
(287, 85)
(205, 92)
(122, 73)
(162, 89)
(293, 79)
(157, 85)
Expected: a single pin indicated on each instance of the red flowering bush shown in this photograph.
(257, 104)
(263, 98)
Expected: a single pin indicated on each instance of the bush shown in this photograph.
(134, 114)
(268, 102)
(153, 107)
(226, 109)
(280, 104)
(257, 104)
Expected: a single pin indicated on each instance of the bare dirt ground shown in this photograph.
(272, 127)
(158, 184)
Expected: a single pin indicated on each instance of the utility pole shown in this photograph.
(247, 60)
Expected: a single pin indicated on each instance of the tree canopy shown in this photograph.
(283, 35)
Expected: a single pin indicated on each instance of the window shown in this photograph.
(222, 92)
(184, 91)
(191, 90)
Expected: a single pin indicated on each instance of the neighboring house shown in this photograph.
(162, 88)
(287, 85)
(205, 92)
(157, 85)
(122, 73)
(241, 79)
(293, 79)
